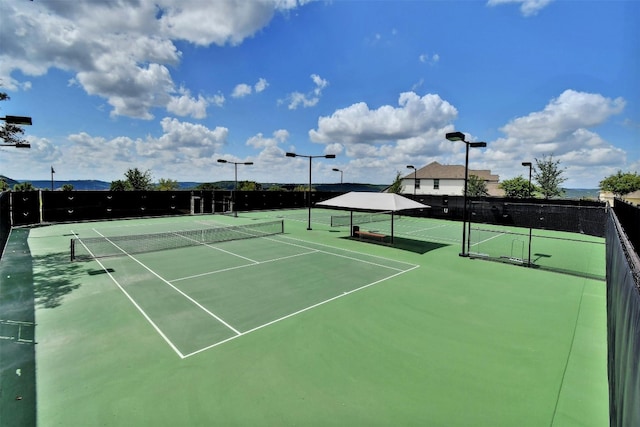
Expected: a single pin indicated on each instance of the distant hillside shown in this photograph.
(570, 193)
(84, 185)
(581, 193)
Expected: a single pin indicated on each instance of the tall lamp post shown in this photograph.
(459, 136)
(415, 178)
(529, 164)
(235, 186)
(338, 170)
(326, 156)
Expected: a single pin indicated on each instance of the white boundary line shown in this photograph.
(254, 263)
(298, 312)
(176, 289)
(135, 304)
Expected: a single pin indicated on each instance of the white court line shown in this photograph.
(135, 304)
(238, 333)
(490, 238)
(344, 256)
(176, 289)
(298, 312)
(242, 266)
(216, 248)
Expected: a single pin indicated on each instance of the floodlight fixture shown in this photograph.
(415, 178)
(341, 173)
(17, 120)
(455, 136)
(235, 185)
(326, 156)
(459, 136)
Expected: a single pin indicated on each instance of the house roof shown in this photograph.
(435, 170)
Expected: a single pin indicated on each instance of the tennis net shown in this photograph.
(101, 247)
(360, 218)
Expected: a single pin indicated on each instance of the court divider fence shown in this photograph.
(623, 324)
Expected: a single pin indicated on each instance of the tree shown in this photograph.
(24, 186)
(67, 187)
(302, 188)
(9, 132)
(167, 185)
(207, 186)
(139, 180)
(621, 183)
(396, 187)
(249, 186)
(476, 186)
(548, 175)
(3, 185)
(517, 188)
(119, 185)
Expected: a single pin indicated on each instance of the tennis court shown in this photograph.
(309, 328)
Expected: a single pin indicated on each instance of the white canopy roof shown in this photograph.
(356, 200)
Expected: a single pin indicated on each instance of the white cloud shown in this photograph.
(259, 141)
(186, 105)
(561, 129)
(261, 85)
(125, 61)
(241, 90)
(309, 99)
(357, 123)
(527, 7)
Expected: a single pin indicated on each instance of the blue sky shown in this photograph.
(173, 85)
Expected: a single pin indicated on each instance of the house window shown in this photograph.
(436, 184)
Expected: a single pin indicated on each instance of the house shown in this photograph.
(633, 198)
(437, 179)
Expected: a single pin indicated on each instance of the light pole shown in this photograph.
(338, 170)
(415, 179)
(235, 186)
(326, 156)
(525, 164)
(459, 136)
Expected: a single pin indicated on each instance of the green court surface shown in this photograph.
(311, 327)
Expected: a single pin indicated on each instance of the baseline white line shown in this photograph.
(242, 266)
(299, 312)
(135, 304)
(176, 289)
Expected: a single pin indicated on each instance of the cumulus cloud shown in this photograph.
(309, 99)
(186, 105)
(241, 90)
(125, 61)
(181, 148)
(527, 7)
(357, 123)
(561, 129)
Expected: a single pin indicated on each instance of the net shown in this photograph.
(100, 247)
(360, 218)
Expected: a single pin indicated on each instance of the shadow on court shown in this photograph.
(411, 245)
(50, 288)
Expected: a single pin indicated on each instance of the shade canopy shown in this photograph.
(364, 201)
